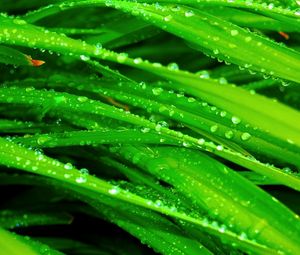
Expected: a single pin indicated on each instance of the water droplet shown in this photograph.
(122, 57)
(222, 228)
(223, 113)
(203, 74)
(137, 61)
(81, 179)
(68, 166)
(84, 171)
(43, 139)
(229, 134)
(234, 32)
(84, 58)
(223, 80)
(19, 21)
(201, 141)
(235, 120)
(214, 128)
(98, 49)
(157, 91)
(189, 13)
(173, 67)
(245, 136)
(114, 191)
(186, 144)
(243, 236)
(143, 85)
(158, 127)
(216, 51)
(191, 99)
(287, 170)
(297, 12)
(220, 147)
(145, 129)
(167, 18)
(82, 99)
(67, 176)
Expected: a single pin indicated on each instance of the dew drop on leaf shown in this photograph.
(173, 66)
(68, 166)
(84, 58)
(235, 120)
(229, 134)
(201, 141)
(189, 13)
(213, 128)
(114, 191)
(82, 99)
(234, 32)
(81, 179)
(157, 91)
(167, 18)
(245, 136)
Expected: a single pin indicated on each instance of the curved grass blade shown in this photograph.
(211, 183)
(71, 103)
(15, 219)
(13, 244)
(14, 57)
(107, 136)
(16, 156)
(260, 111)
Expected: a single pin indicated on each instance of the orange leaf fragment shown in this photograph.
(35, 62)
(285, 35)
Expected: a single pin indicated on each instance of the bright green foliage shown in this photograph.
(166, 119)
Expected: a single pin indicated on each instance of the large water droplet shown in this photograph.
(82, 99)
(157, 91)
(167, 18)
(81, 179)
(68, 166)
(245, 136)
(114, 191)
(84, 58)
(189, 13)
(122, 57)
(214, 128)
(173, 67)
(229, 134)
(235, 120)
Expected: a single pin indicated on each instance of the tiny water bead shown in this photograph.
(234, 32)
(214, 128)
(245, 136)
(229, 134)
(189, 13)
(167, 18)
(122, 57)
(68, 166)
(114, 190)
(173, 66)
(145, 130)
(84, 58)
(157, 91)
(220, 147)
(235, 120)
(223, 113)
(81, 179)
(43, 139)
(203, 74)
(82, 99)
(138, 61)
